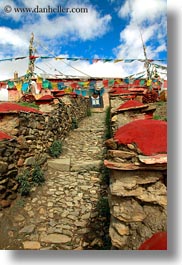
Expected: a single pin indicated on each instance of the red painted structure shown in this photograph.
(156, 242)
(8, 107)
(150, 136)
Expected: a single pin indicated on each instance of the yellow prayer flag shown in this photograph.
(39, 80)
(86, 84)
(57, 58)
(149, 82)
(18, 86)
(119, 81)
(54, 85)
(68, 90)
(118, 60)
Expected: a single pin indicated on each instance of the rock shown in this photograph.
(19, 218)
(120, 227)
(61, 164)
(131, 146)
(3, 181)
(133, 166)
(78, 248)
(85, 216)
(93, 165)
(12, 196)
(156, 193)
(127, 210)
(27, 229)
(117, 240)
(5, 203)
(3, 167)
(42, 159)
(97, 242)
(2, 188)
(30, 161)
(20, 162)
(10, 233)
(121, 154)
(114, 118)
(160, 159)
(55, 238)
(42, 211)
(110, 143)
(31, 245)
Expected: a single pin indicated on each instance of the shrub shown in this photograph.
(89, 113)
(103, 207)
(55, 149)
(108, 123)
(158, 117)
(74, 124)
(38, 175)
(24, 181)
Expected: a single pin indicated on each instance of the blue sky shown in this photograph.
(110, 29)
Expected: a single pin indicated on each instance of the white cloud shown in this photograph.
(146, 18)
(3, 14)
(8, 68)
(12, 37)
(83, 26)
(161, 48)
(40, 3)
(140, 10)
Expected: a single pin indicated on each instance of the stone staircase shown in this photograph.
(63, 214)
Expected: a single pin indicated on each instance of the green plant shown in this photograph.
(24, 181)
(103, 207)
(74, 124)
(105, 176)
(158, 117)
(20, 202)
(55, 149)
(38, 175)
(28, 104)
(108, 123)
(89, 113)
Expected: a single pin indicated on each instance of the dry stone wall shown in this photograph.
(137, 189)
(32, 135)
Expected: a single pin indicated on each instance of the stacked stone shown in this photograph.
(8, 172)
(31, 136)
(137, 159)
(129, 111)
(67, 212)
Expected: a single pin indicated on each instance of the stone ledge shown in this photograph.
(61, 164)
(87, 165)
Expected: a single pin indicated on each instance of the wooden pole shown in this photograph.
(31, 56)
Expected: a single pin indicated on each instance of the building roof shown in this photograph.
(130, 104)
(4, 136)
(9, 107)
(45, 98)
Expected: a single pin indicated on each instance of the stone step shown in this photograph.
(89, 130)
(91, 165)
(65, 165)
(61, 164)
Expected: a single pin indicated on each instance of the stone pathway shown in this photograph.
(63, 213)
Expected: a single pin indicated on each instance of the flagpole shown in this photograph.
(31, 64)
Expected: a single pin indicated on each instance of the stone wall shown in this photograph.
(137, 190)
(138, 204)
(32, 135)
